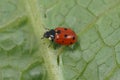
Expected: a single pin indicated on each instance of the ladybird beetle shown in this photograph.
(61, 35)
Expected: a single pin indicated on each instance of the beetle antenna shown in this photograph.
(46, 28)
(42, 37)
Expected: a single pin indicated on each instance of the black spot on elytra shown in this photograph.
(73, 38)
(58, 31)
(65, 29)
(62, 41)
(71, 42)
(65, 35)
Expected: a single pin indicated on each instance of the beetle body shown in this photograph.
(61, 35)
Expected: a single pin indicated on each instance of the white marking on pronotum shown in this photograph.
(56, 33)
(50, 38)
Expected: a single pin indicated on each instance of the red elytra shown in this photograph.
(61, 35)
(65, 36)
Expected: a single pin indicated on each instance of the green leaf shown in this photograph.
(25, 56)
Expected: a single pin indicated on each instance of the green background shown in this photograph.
(25, 56)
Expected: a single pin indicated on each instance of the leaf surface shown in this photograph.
(25, 56)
